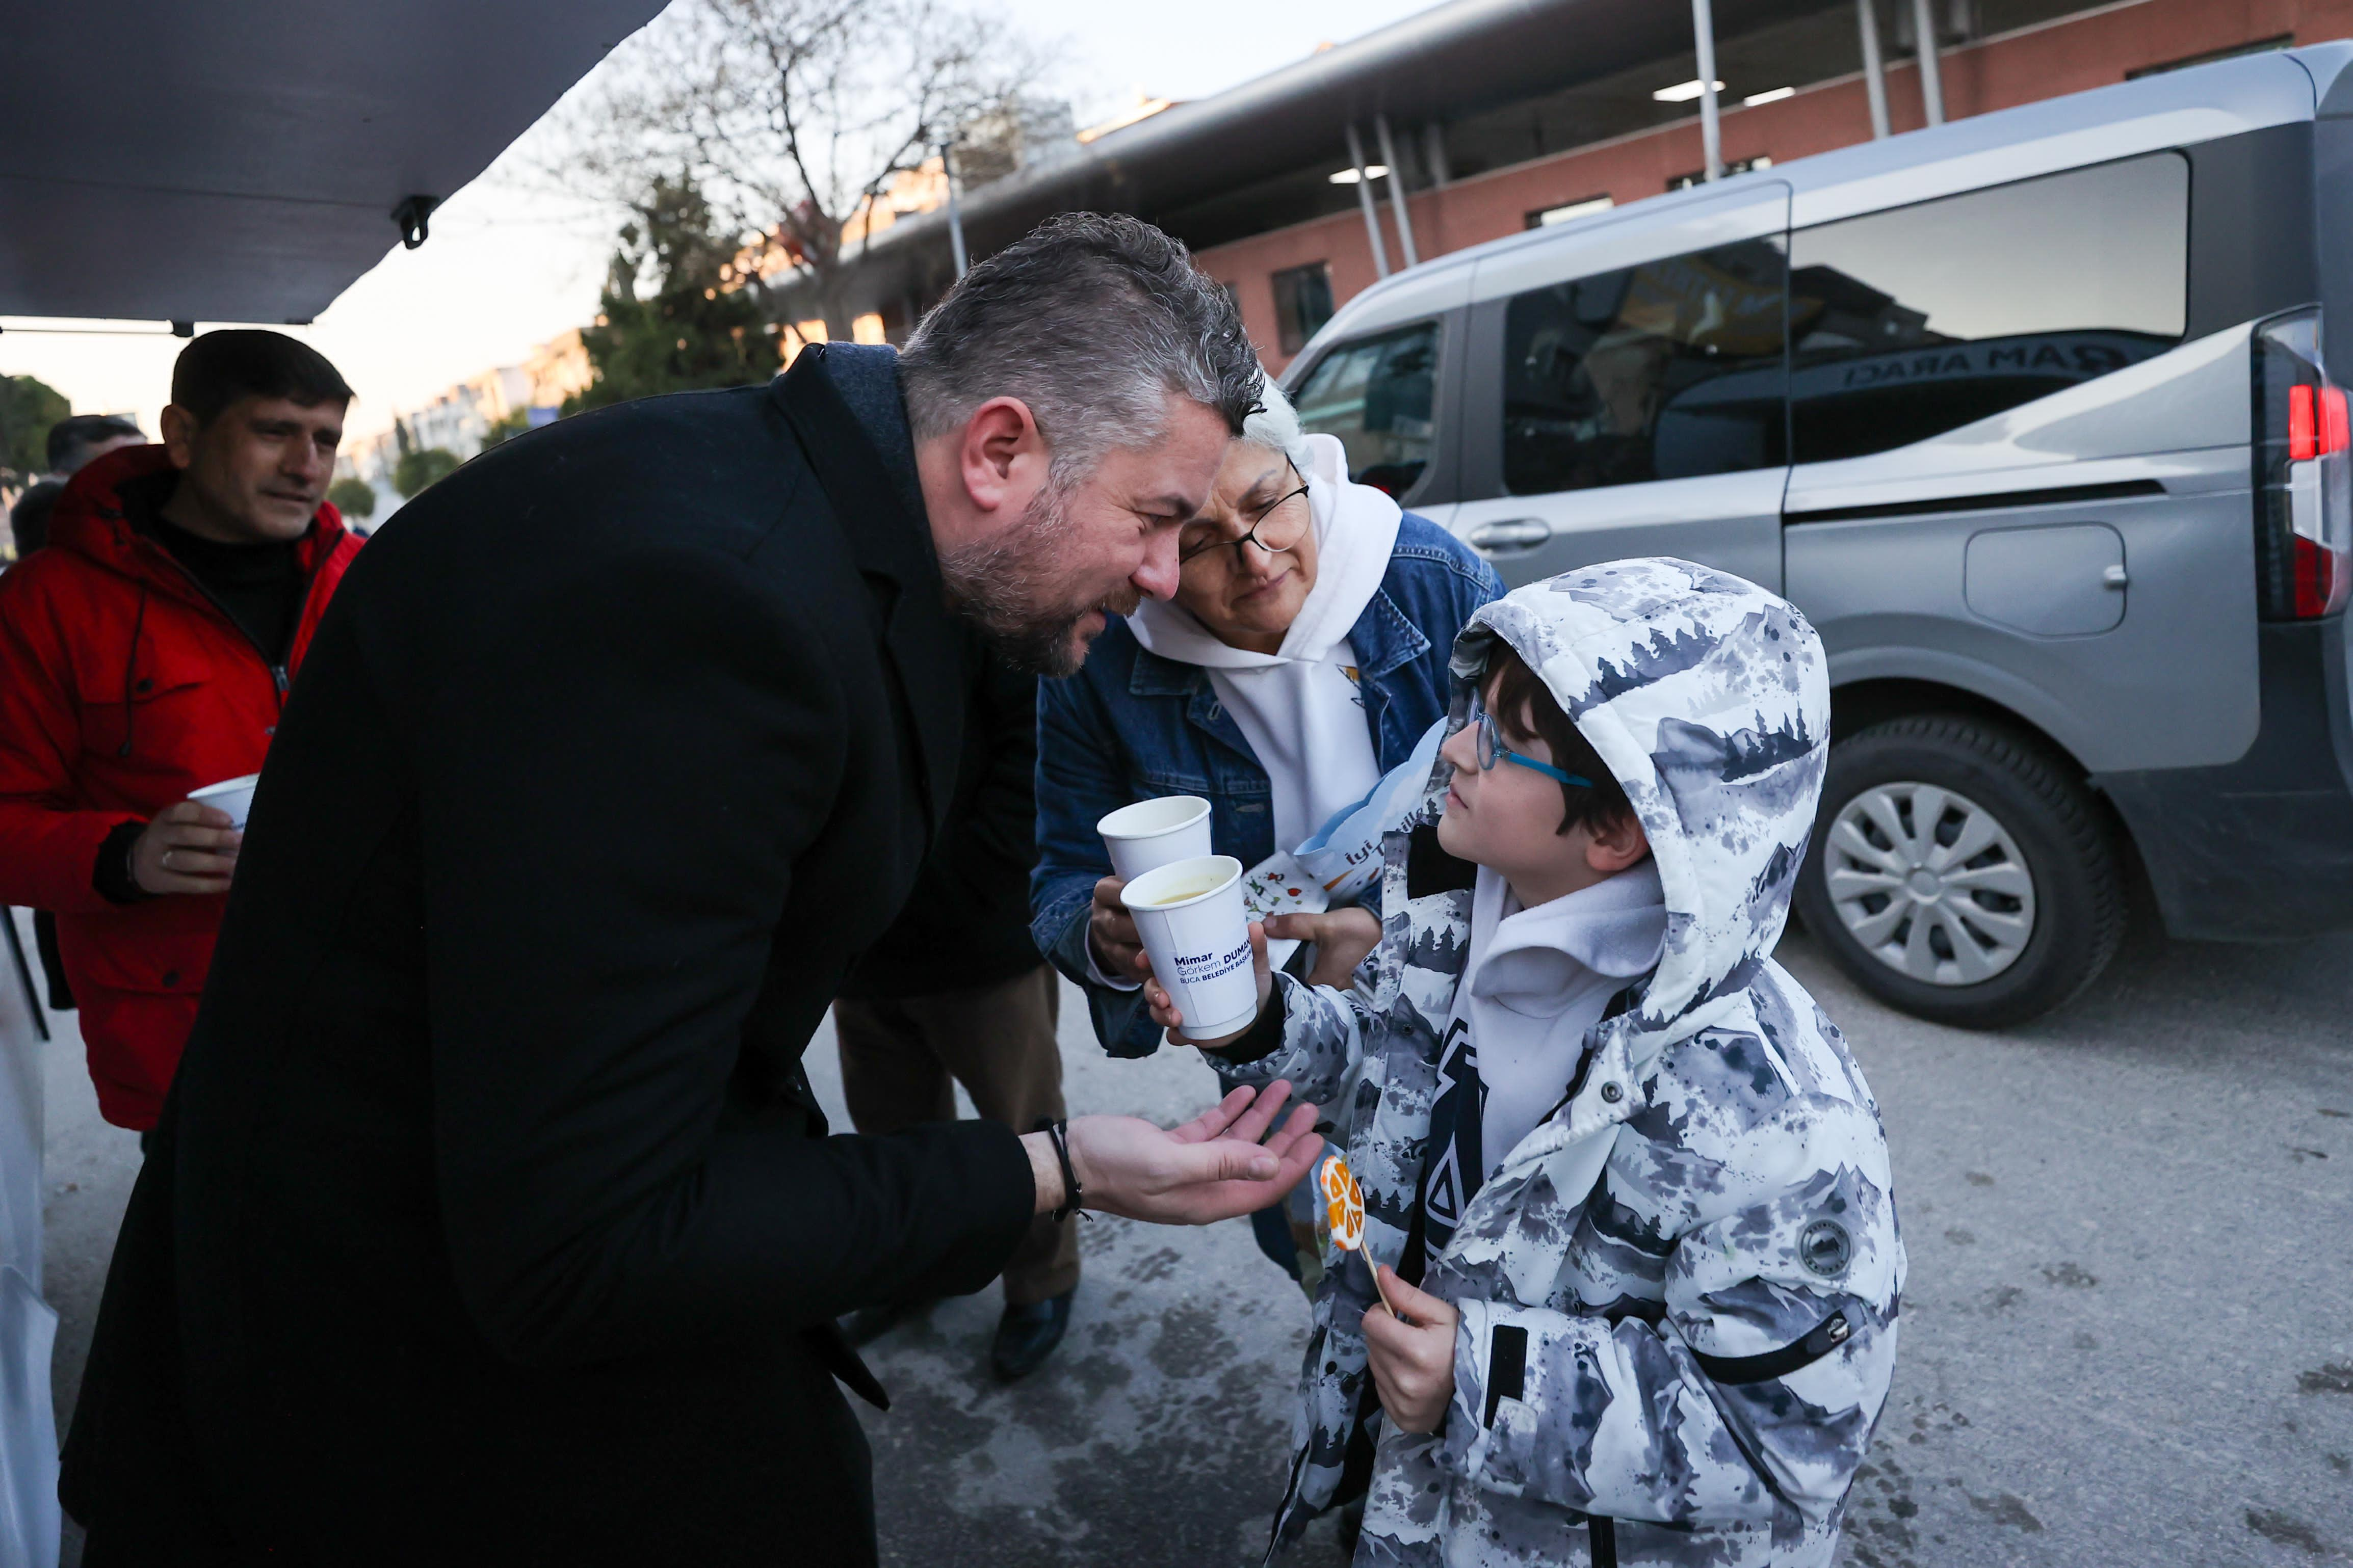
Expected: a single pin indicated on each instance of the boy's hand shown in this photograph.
(1413, 1356)
(1164, 1008)
(1341, 938)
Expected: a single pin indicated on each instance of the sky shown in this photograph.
(512, 263)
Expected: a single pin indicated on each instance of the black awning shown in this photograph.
(167, 161)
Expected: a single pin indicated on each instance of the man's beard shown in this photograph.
(1008, 588)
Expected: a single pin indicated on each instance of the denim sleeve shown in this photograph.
(1079, 783)
(1486, 588)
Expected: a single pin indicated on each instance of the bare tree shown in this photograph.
(793, 117)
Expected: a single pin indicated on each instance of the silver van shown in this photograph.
(2034, 415)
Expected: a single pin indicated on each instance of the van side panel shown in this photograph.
(1901, 558)
(2151, 666)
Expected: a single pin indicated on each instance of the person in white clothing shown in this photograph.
(1303, 657)
(1626, 1286)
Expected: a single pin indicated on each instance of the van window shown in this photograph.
(1663, 371)
(1376, 395)
(1912, 322)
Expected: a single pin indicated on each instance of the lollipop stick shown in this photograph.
(1383, 1291)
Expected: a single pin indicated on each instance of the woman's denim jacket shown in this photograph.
(1132, 725)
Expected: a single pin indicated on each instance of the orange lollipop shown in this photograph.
(1344, 1212)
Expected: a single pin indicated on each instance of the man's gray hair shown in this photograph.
(1093, 319)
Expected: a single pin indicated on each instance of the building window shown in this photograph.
(1545, 217)
(1302, 302)
(1663, 371)
(1378, 395)
(1915, 322)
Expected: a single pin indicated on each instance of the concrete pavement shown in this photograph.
(2127, 1338)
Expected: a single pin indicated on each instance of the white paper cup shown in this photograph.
(1156, 833)
(1196, 934)
(232, 796)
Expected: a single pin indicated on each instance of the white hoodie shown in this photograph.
(1539, 980)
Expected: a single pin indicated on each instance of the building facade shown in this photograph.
(461, 419)
(1478, 119)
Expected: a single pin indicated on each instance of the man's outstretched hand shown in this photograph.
(1212, 1168)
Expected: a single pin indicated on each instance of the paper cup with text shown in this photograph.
(1197, 933)
(1156, 833)
(232, 796)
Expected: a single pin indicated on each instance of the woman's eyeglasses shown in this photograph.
(1491, 749)
(1273, 528)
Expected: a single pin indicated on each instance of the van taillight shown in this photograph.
(2303, 475)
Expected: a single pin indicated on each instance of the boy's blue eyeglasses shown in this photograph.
(1491, 749)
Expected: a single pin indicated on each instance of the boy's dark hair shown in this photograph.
(219, 368)
(72, 438)
(1526, 711)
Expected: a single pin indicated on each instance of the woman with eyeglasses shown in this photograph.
(1303, 656)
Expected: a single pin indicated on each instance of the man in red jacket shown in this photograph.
(145, 655)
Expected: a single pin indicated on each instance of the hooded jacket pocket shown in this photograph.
(149, 705)
(164, 947)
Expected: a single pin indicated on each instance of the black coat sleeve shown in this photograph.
(610, 814)
(967, 923)
(1004, 812)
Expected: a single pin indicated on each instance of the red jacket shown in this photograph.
(123, 687)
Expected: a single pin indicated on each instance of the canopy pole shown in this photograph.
(1396, 189)
(1874, 71)
(1932, 80)
(956, 208)
(1711, 133)
(1364, 200)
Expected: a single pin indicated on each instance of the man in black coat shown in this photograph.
(492, 1218)
(957, 993)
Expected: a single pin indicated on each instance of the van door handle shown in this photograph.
(1517, 534)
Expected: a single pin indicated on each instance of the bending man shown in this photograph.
(491, 1215)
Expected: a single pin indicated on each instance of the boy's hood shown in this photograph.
(1709, 699)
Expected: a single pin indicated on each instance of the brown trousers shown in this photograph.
(899, 1056)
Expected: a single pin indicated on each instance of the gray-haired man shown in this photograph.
(491, 1205)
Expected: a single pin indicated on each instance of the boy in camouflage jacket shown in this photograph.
(1670, 1310)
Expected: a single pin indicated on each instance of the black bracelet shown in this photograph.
(1072, 1194)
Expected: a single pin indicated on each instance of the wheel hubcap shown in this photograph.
(1929, 883)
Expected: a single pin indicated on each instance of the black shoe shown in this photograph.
(1028, 1335)
(867, 1324)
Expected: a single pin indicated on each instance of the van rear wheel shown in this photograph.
(1959, 872)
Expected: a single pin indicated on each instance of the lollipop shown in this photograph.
(1344, 1212)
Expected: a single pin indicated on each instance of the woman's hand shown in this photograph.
(1341, 937)
(1212, 1168)
(1412, 1356)
(1110, 934)
(1164, 1007)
